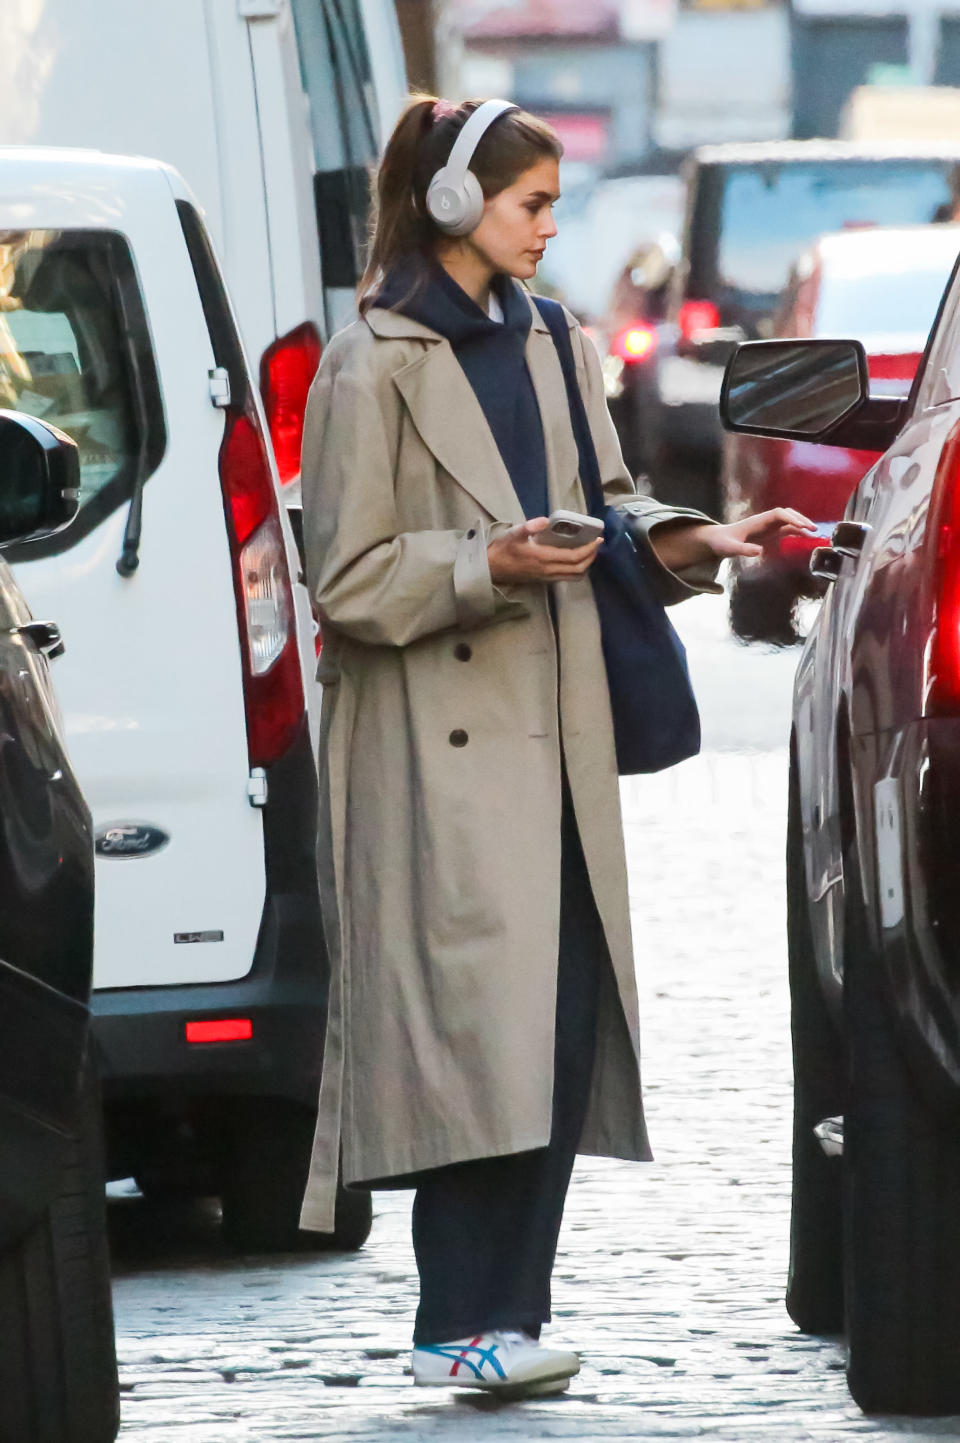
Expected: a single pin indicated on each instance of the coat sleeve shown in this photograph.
(645, 512)
(369, 580)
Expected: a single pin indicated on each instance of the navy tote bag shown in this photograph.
(655, 719)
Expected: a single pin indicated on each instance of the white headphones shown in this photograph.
(454, 196)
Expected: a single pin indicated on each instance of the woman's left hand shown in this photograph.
(680, 546)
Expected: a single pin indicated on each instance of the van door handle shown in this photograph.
(45, 636)
(849, 537)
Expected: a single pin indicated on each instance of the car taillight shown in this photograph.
(286, 374)
(220, 1029)
(697, 316)
(634, 343)
(272, 684)
(943, 669)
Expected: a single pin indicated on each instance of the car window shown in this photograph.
(941, 375)
(74, 351)
(770, 213)
(336, 73)
(897, 306)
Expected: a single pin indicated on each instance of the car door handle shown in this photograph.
(45, 636)
(826, 563)
(849, 537)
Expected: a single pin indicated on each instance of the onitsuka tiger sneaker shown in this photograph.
(502, 1361)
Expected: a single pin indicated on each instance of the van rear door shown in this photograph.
(106, 338)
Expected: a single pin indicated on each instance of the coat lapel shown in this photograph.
(451, 423)
(563, 461)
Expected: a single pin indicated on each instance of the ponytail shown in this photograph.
(401, 227)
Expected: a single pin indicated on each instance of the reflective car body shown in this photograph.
(877, 729)
(883, 287)
(46, 921)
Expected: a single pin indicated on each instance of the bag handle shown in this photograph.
(559, 328)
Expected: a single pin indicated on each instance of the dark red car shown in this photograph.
(873, 869)
(881, 286)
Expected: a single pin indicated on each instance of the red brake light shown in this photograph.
(634, 343)
(696, 316)
(943, 668)
(220, 1029)
(272, 683)
(286, 374)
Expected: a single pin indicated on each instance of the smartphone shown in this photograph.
(569, 529)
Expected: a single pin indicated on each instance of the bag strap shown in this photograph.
(559, 328)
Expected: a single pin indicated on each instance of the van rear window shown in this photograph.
(74, 351)
(770, 213)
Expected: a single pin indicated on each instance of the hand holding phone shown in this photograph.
(568, 530)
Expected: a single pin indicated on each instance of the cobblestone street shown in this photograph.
(670, 1276)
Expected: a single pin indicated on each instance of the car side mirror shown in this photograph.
(39, 478)
(796, 389)
(808, 391)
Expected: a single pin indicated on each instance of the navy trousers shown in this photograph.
(485, 1232)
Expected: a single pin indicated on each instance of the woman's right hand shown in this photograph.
(514, 556)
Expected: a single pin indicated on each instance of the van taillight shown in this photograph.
(942, 689)
(272, 684)
(286, 374)
(697, 316)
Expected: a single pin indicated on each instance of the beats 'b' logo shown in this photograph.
(445, 203)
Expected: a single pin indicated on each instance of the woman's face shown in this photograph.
(517, 223)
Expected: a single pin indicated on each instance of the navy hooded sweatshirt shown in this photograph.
(493, 356)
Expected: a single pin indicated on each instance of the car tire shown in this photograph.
(762, 607)
(901, 1204)
(265, 1179)
(58, 1364)
(814, 1296)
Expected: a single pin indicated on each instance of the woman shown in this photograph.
(483, 1020)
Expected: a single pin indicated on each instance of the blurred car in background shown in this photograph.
(883, 287)
(603, 223)
(751, 211)
(628, 338)
(873, 878)
(58, 1367)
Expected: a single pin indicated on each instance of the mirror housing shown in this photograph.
(806, 390)
(39, 479)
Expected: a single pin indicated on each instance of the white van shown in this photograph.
(272, 110)
(177, 591)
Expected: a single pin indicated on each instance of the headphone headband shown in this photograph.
(474, 129)
(454, 196)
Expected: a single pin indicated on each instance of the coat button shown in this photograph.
(462, 651)
(458, 738)
(471, 533)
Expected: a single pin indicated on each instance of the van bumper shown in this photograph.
(140, 1033)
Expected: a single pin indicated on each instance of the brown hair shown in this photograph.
(420, 145)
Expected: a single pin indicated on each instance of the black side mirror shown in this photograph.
(796, 389)
(39, 478)
(808, 391)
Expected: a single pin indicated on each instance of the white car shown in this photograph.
(177, 590)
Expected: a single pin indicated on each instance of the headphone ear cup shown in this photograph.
(456, 209)
(473, 204)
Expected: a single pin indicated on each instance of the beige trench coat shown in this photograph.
(439, 841)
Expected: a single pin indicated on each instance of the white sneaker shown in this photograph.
(504, 1360)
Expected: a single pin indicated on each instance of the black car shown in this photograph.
(873, 869)
(58, 1372)
(751, 211)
